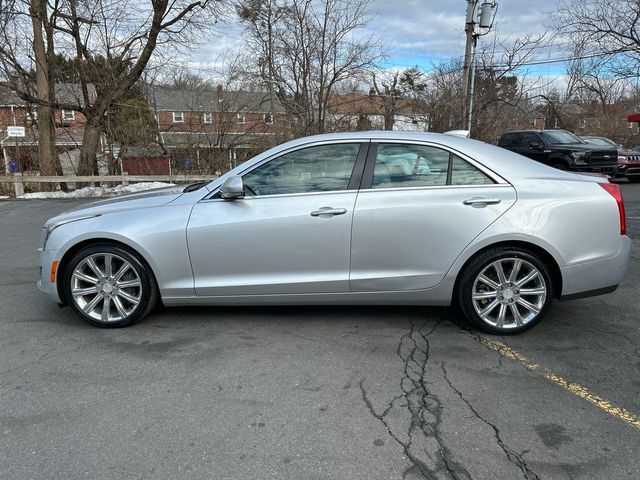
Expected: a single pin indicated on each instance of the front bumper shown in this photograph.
(628, 169)
(47, 257)
(606, 169)
(597, 276)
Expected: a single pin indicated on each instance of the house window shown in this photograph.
(241, 118)
(68, 115)
(207, 117)
(32, 114)
(267, 118)
(178, 117)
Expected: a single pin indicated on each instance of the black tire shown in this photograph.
(560, 165)
(483, 261)
(147, 293)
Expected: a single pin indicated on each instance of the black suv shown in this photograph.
(562, 149)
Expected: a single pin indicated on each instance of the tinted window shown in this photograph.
(560, 137)
(399, 165)
(509, 139)
(314, 169)
(462, 173)
(526, 139)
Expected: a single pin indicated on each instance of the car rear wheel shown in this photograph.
(505, 290)
(108, 286)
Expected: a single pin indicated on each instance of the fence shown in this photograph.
(19, 180)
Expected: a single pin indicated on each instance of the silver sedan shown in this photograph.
(356, 218)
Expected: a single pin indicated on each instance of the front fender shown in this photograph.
(158, 233)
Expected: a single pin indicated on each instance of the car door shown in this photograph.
(531, 145)
(291, 232)
(409, 228)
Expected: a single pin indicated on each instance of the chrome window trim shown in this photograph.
(434, 187)
(283, 195)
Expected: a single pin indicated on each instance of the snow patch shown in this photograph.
(96, 192)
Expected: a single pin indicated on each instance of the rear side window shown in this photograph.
(399, 165)
(463, 173)
(508, 140)
(527, 138)
(406, 166)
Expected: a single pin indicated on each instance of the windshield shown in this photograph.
(604, 142)
(560, 136)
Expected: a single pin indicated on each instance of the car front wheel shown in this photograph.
(505, 290)
(108, 286)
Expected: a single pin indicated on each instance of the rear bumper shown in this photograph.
(47, 257)
(596, 277)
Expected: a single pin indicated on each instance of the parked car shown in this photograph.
(628, 159)
(600, 141)
(323, 220)
(562, 150)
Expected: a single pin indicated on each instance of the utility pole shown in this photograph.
(483, 18)
(469, 28)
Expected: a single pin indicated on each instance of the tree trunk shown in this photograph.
(46, 122)
(88, 162)
(389, 119)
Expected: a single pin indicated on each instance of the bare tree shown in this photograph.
(308, 52)
(611, 28)
(112, 44)
(387, 88)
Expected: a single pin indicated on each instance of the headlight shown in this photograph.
(579, 157)
(48, 228)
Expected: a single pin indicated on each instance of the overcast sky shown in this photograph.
(422, 32)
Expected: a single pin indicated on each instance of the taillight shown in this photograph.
(615, 192)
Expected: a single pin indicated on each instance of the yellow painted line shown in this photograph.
(618, 412)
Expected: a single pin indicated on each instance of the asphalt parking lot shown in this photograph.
(312, 392)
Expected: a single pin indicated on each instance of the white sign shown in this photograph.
(14, 131)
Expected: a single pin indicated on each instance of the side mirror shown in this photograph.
(232, 188)
(535, 145)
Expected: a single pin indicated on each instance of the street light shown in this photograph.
(483, 17)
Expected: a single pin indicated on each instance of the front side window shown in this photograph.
(560, 137)
(405, 166)
(322, 168)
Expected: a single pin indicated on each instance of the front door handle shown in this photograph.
(328, 211)
(481, 201)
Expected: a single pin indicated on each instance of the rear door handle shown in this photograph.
(481, 201)
(328, 211)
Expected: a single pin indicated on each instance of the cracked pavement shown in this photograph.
(308, 392)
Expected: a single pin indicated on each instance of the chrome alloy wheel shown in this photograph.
(509, 293)
(106, 287)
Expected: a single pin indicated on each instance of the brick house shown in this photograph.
(69, 128)
(358, 111)
(214, 128)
